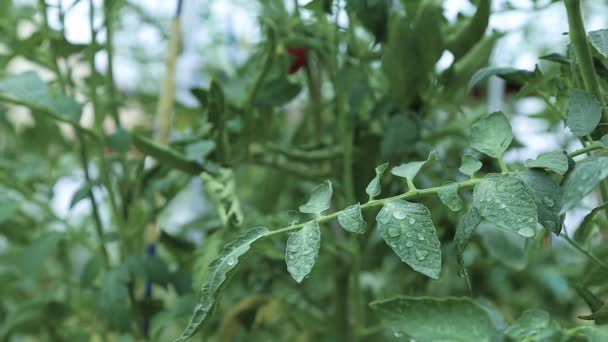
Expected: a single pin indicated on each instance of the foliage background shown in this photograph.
(53, 282)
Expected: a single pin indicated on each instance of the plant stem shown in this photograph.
(586, 149)
(379, 203)
(109, 46)
(503, 165)
(588, 254)
(578, 37)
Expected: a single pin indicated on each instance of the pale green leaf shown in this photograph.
(465, 229)
(599, 40)
(587, 174)
(534, 325)
(554, 161)
(547, 196)
(448, 194)
(374, 187)
(352, 220)
(503, 201)
(36, 256)
(584, 113)
(437, 319)
(492, 134)
(319, 200)
(29, 90)
(8, 208)
(199, 150)
(411, 169)
(469, 165)
(220, 270)
(407, 228)
(302, 250)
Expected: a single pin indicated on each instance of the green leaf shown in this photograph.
(36, 256)
(83, 192)
(604, 141)
(547, 196)
(509, 249)
(584, 113)
(587, 174)
(351, 219)
(411, 169)
(204, 255)
(448, 194)
(554, 161)
(469, 165)
(492, 134)
(277, 92)
(592, 300)
(373, 15)
(165, 155)
(8, 208)
(407, 228)
(511, 74)
(465, 229)
(374, 187)
(436, 319)
(596, 333)
(199, 150)
(119, 140)
(302, 250)
(599, 315)
(534, 325)
(503, 200)
(472, 29)
(220, 271)
(319, 200)
(114, 295)
(31, 91)
(586, 227)
(599, 40)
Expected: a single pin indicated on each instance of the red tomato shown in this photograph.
(299, 57)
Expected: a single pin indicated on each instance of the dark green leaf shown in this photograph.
(277, 92)
(587, 174)
(586, 227)
(166, 156)
(351, 219)
(492, 134)
(453, 319)
(320, 199)
(547, 196)
(219, 272)
(302, 250)
(584, 113)
(120, 140)
(114, 295)
(509, 249)
(511, 74)
(407, 228)
(503, 201)
(465, 229)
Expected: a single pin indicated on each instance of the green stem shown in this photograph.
(578, 37)
(109, 46)
(503, 165)
(379, 203)
(588, 254)
(586, 149)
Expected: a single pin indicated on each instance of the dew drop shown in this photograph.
(409, 244)
(397, 334)
(526, 231)
(231, 261)
(420, 237)
(394, 231)
(549, 202)
(421, 255)
(411, 220)
(399, 214)
(502, 206)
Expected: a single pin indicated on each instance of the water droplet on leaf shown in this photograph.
(549, 202)
(411, 220)
(409, 244)
(231, 261)
(420, 237)
(526, 231)
(399, 214)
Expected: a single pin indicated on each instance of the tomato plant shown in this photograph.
(336, 186)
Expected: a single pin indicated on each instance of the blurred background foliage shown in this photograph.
(380, 81)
